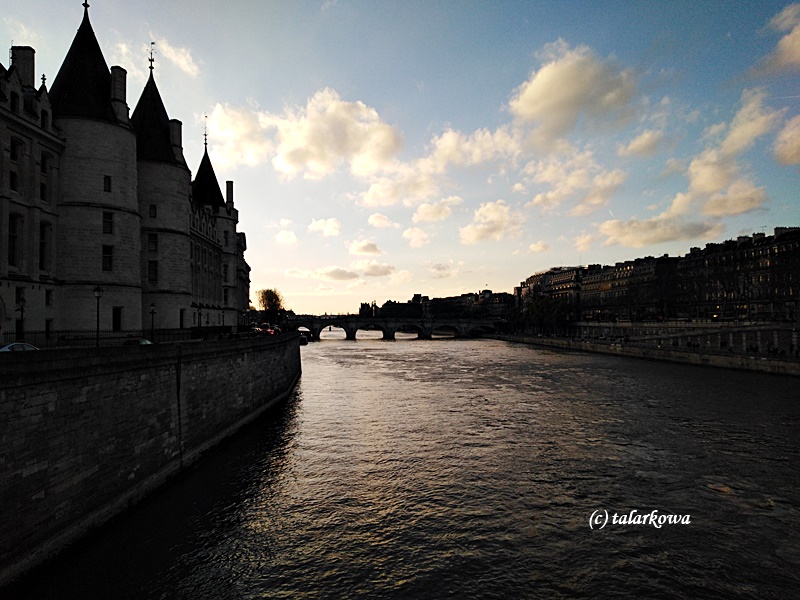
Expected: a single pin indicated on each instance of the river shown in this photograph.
(473, 469)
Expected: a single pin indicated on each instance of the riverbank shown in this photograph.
(692, 353)
(89, 432)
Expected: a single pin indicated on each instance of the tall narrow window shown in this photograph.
(13, 181)
(14, 242)
(225, 273)
(16, 149)
(43, 192)
(44, 164)
(153, 211)
(225, 234)
(108, 258)
(116, 318)
(45, 236)
(106, 183)
(44, 119)
(152, 242)
(152, 271)
(14, 102)
(108, 222)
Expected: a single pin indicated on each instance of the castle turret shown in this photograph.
(164, 203)
(99, 224)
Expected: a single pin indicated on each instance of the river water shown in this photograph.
(472, 469)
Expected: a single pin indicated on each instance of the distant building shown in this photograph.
(754, 278)
(93, 201)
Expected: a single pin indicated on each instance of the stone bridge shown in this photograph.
(389, 326)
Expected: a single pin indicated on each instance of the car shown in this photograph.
(17, 346)
(137, 342)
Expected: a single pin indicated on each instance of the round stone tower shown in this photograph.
(99, 240)
(164, 203)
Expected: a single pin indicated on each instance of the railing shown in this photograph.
(91, 337)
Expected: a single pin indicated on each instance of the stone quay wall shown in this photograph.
(85, 433)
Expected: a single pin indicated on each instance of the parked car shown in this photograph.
(17, 346)
(137, 342)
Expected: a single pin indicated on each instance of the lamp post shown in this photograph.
(98, 293)
(152, 320)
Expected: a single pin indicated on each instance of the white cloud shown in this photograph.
(21, 34)
(573, 85)
(438, 211)
(575, 174)
(416, 237)
(180, 57)
(786, 55)
(584, 242)
(331, 273)
(752, 121)
(491, 221)
(238, 136)
(326, 227)
(372, 268)
(407, 186)
(480, 147)
(328, 131)
(787, 144)
(446, 270)
(637, 233)
(741, 197)
(363, 248)
(539, 247)
(645, 144)
(403, 276)
(381, 221)
(285, 237)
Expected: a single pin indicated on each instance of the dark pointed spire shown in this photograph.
(151, 123)
(205, 187)
(82, 87)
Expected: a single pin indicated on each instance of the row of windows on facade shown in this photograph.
(15, 105)
(15, 242)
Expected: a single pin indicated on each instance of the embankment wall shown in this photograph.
(85, 433)
(743, 362)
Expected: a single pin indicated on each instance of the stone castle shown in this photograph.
(101, 225)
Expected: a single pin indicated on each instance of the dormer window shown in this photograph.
(14, 102)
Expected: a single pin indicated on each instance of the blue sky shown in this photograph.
(382, 149)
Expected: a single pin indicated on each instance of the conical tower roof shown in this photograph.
(151, 123)
(82, 87)
(205, 187)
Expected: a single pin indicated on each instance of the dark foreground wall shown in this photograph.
(85, 433)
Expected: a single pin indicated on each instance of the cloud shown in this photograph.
(331, 273)
(21, 34)
(570, 175)
(460, 150)
(741, 197)
(491, 221)
(416, 237)
(403, 276)
(787, 144)
(380, 221)
(573, 85)
(285, 237)
(327, 227)
(408, 186)
(539, 247)
(637, 233)
(786, 55)
(328, 131)
(180, 57)
(238, 136)
(363, 247)
(752, 121)
(438, 211)
(645, 144)
(446, 270)
(372, 268)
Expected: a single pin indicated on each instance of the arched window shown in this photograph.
(16, 149)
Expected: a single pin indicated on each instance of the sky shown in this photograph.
(381, 149)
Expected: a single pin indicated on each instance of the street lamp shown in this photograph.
(98, 293)
(152, 320)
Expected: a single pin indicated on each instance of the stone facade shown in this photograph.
(92, 198)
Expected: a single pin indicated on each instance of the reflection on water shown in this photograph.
(469, 469)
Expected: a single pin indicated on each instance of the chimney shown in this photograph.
(229, 194)
(22, 57)
(119, 93)
(176, 139)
